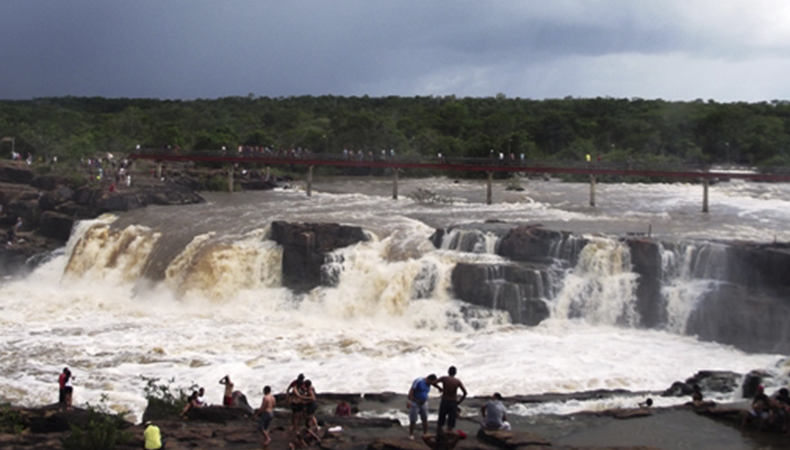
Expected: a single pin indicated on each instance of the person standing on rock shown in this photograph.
(448, 408)
(227, 398)
(417, 402)
(265, 414)
(494, 417)
(292, 396)
(62, 388)
(68, 388)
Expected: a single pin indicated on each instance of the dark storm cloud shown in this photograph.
(198, 48)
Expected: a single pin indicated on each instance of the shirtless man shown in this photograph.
(448, 408)
(227, 398)
(265, 414)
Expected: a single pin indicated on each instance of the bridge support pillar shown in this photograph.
(394, 183)
(159, 170)
(230, 179)
(705, 185)
(592, 190)
(310, 181)
(488, 187)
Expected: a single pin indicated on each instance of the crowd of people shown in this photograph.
(300, 397)
(769, 411)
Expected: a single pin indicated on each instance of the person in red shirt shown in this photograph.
(62, 387)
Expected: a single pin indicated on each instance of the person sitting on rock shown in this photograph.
(343, 409)
(200, 401)
(191, 403)
(780, 409)
(494, 417)
(760, 409)
(152, 437)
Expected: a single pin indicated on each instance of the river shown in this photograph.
(193, 293)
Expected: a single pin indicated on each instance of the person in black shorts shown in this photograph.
(265, 414)
(295, 389)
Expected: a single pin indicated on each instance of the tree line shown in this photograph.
(557, 129)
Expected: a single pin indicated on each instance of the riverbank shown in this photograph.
(675, 428)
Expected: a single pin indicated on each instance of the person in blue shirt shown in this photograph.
(418, 402)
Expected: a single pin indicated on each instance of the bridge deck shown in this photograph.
(482, 164)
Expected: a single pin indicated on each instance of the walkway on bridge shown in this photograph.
(705, 173)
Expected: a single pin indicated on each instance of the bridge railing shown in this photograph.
(473, 163)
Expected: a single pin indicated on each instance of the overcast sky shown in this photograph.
(726, 50)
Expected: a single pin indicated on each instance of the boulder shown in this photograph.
(15, 172)
(50, 200)
(531, 243)
(216, 414)
(305, 249)
(48, 182)
(510, 439)
(646, 262)
(748, 319)
(514, 288)
(55, 225)
(120, 202)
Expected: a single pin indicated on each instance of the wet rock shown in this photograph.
(15, 172)
(48, 182)
(305, 249)
(735, 315)
(646, 262)
(514, 288)
(55, 225)
(510, 439)
(49, 201)
(530, 243)
(715, 380)
(111, 202)
(751, 382)
(216, 414)
(397, 444)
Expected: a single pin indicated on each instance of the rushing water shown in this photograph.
(193, 292)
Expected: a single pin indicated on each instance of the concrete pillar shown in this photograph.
(394, 183)
(488, 187)
(230, 179)
(310, 181)
(159, 170)
(592, 189)
(705, 185)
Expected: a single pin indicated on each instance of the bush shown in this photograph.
(102, 432)
(216, 183)
(11, 422)
(164, 400)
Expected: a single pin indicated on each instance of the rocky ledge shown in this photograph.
(48, 206)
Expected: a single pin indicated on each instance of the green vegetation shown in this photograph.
(626, 130)
(164, 400)
(103, 430)
(11, 422)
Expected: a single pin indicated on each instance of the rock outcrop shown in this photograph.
(49, 205)
(305, 250)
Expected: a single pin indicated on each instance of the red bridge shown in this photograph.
(705, 173)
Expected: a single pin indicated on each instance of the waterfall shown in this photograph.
(690, 270)
(601, 288)
(470, 241)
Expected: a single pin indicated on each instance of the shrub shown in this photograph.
(102, 432)
(164, 400)
(11, 421)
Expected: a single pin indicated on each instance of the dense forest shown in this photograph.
(567, 129)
